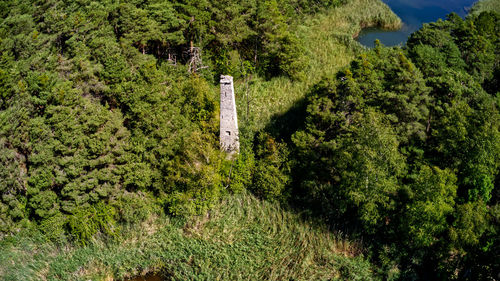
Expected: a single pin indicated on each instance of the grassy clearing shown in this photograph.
(244, 239)
(329, 46)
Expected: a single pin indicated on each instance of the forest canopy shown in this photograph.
(403, 147)
(109, 113)
(103, 101)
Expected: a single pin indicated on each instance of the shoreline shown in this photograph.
(381, 27)
(393, 24)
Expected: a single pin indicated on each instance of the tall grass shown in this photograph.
(486, 5)
(329, 45)
(244, 239)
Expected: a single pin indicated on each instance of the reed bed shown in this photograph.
(486, 5)
(243, 239)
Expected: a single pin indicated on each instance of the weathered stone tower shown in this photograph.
(229, 140)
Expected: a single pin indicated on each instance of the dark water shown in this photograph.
(150, 277)
(413, 13)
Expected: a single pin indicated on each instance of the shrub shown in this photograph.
(88, 221)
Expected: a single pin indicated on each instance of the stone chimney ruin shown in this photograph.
(229, 140)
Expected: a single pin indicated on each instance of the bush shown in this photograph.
(53, 228)
(134, 207)
(88, 221)
(271, 174)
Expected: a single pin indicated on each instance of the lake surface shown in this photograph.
(413, 13)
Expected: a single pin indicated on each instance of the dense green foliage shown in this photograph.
(403, 147)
